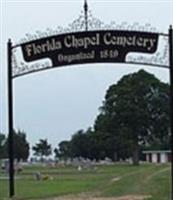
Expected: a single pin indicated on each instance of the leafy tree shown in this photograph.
(57, 154)
(135, 112)
(42, 149)
(3, 147)
(21, 146)
(86, 144)
(93, 147)
(79, 144)
(82, 144)
(134, 116)
(64, 150)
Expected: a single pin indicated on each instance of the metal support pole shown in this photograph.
(171, 95)
(10, 120)
(86, 15)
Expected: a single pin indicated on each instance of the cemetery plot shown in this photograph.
(99, 181)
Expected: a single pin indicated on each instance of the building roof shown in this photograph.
(156, 151)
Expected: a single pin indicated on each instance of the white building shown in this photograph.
(157, 156)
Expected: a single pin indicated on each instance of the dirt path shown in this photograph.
(156, 173)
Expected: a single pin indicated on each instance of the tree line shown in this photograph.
(134, 116)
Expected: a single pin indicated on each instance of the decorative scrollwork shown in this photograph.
(94, 23)
(153, 60)
(160, 58)
(24, 68)
(79, 25)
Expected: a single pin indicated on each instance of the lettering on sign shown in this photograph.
(90, 47)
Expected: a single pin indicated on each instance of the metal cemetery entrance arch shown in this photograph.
(87, 40)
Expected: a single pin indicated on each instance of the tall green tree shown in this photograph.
(42, 149)
(3, 147)
(79, 144)
(21, 145)
(64, 150)
(110, 142)
(135, 112)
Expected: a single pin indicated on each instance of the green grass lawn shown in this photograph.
(108, 181)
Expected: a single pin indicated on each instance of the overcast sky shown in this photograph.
(56, 103)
